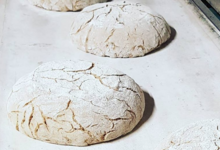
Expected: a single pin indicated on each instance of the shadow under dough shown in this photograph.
(149, 109)
(172, 37)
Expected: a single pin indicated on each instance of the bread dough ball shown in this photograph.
(64, 5)
(203, 135)
(119, 29)
(75, 103)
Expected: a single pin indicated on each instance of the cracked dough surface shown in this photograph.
(64, 5)
(203, 135)
(119, 29)
(75, 103)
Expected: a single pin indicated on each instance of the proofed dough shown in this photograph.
(75, 103)
(203, 135)
(64, 5)
(119, 29)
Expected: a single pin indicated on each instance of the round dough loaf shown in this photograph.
(119, 29)
(75, 103)
(203, 135)
(64, 5)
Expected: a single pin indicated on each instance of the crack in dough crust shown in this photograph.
(75, 103)
(64, 5)
(203, 135)
(119, 29)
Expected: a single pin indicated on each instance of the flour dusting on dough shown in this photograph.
(119, 29)
(75, 103)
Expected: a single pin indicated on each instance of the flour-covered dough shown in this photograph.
(119, 29)
(64, 5)
(198, 136)
(75, 103)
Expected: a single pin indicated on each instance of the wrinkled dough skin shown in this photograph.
(64, 5)
(75, 103)
(203, 135)
(119, 29)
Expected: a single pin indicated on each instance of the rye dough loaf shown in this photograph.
(64, 5)
(119, 29)
(75, 103)
(198, 136)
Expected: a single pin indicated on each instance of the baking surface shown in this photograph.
(182, 77)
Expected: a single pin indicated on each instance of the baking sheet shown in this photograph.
(182, 77)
